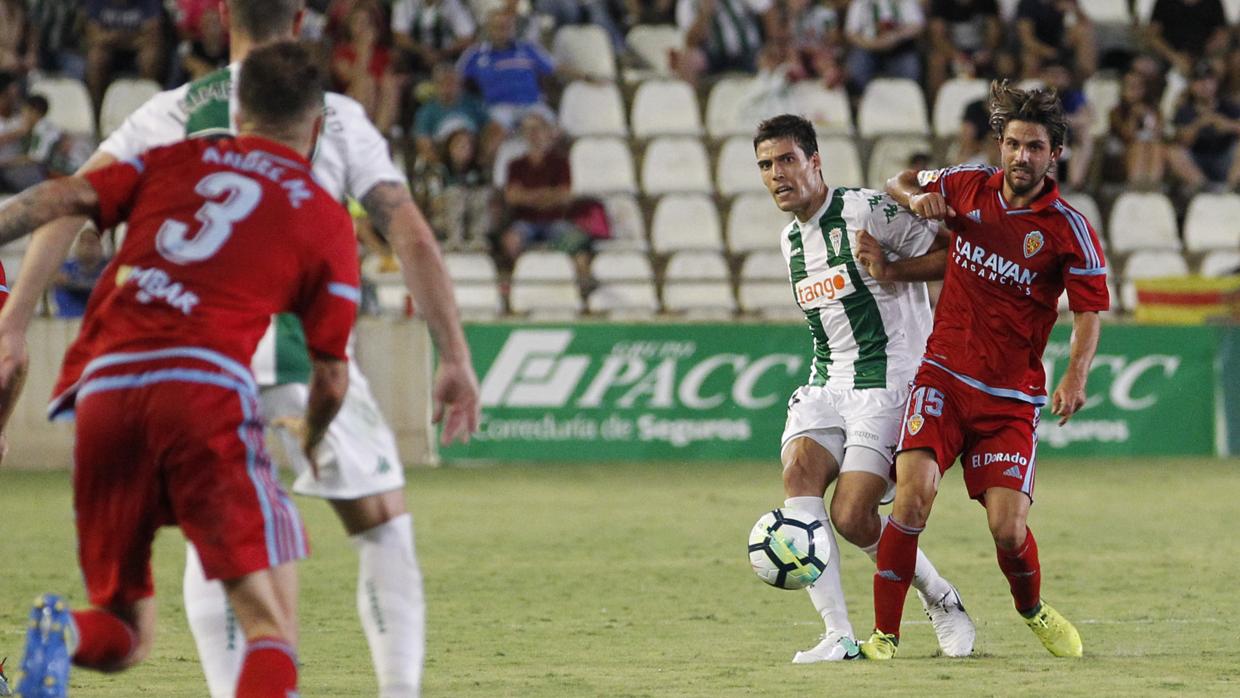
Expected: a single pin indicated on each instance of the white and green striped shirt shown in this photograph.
(866, 334)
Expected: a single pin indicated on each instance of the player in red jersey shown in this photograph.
(1016, 246)
(222, 234)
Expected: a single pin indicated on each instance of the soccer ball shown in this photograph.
(788, 548)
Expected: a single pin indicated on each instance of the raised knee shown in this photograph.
(1008, 537)
(852, 520)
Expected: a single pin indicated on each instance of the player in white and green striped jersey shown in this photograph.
(857, 263)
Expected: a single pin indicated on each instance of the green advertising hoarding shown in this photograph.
(594, 392)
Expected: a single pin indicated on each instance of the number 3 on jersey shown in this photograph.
(240, 197)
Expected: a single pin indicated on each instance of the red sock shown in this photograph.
(104, 641)
(1023, 572)
(269, 671)
(897, 559)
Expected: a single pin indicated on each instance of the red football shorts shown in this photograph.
(994, 437)
(175, 447)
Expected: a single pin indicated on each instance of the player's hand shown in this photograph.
(931, 205)
(1067, 399)
(297, 427)
(455, 400)
(871, 256)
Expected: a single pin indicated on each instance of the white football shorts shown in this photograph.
(358, 455)
(839, 419)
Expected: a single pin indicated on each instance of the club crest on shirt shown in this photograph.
(1033, 243)
(915, 423)
(835, 235)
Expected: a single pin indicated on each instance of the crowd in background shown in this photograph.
(467, 89)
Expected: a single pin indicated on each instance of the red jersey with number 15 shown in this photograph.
(223, 233)
(1006, 270)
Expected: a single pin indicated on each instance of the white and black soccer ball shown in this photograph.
(788, 548)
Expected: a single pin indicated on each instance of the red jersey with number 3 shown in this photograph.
(1006, 270)
(222, 234)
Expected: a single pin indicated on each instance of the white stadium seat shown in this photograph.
(602, 166)
(1102, 94)
(953, 97)
(478, 301)
(588, 109)
(769, 299)
(1212, 222)
(122, 98)
(69, 104)
(470, 267)
(628, 299)
(827, 109)
(652, 44)
(696, 265)
(676, 165)
(754, 223)
(701, 299)
(543, 266)
(892, 105)
(1109, 11)
(1086, 206)
(628, 226)
(765, 265)
(841, 163)
(1142, 221)
(685, 222)
(585, 49)
(890, 157)
(665, 108)
(546, 300)
(1149, 264)
(725, 108)
(1220, 263)
(621, 266)
(737, 169)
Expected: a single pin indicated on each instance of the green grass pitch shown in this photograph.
(632, 580)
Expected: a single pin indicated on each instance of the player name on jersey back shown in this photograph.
(266, 165)
(821, 289)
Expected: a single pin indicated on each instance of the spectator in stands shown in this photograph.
(538, 194)
(1183, 31)
(1207, 129)
(56, 23)
(462, 213)
(528, 24)
(19, 42)
(362, 69)
(720, 36)
(30, 165)
(509, 72)
(1135, 133)
(813, 36)
(204, 42)
(1074, 163)
(1230, 87)
(13, 123)
(1045, 34)
(600, 13)
(975, 143)
(432, 31)
(964, 35)
(122, 28)
(78, 275)
(649, 12)
(882, 35)
(450, 102)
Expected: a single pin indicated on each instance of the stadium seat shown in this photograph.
(1086, 206)
(737, 169)
(685, 222)
(725, 108)
(841, 163)
(478, 301)
(890, 157)
(1142, 221)
(602, 165)
(393, 298)
(754, 223)
(1102, 94)
(586, 50)
(827, 109)
(696, 265)
(543, 266)
(892, 106)
(700, 299)
(676, 165)
(1220, 263)
(1212, 222)
(652, 43)
(69, 104)
(122, 98)
(665, 108)
(769, 299)
(621, 266)
(470, 267)
(545, 300)
(1149, 264)
(590, 109)
(953, 97)
(624, 300)
(1109, 12)
(765, 265)
(628, 225)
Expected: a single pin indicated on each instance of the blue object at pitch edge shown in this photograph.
(45, 663)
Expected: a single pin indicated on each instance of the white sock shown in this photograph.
(926, 578)
(391, 605)
(827, 593)
(220, 640)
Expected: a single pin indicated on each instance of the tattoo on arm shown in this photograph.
(43, 204)
(381, 203)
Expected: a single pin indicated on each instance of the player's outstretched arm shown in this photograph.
(1070, 395)
(455, 394)
(908, 192)
(329, 381)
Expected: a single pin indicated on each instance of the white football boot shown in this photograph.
(951, 623)
(833, 647)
